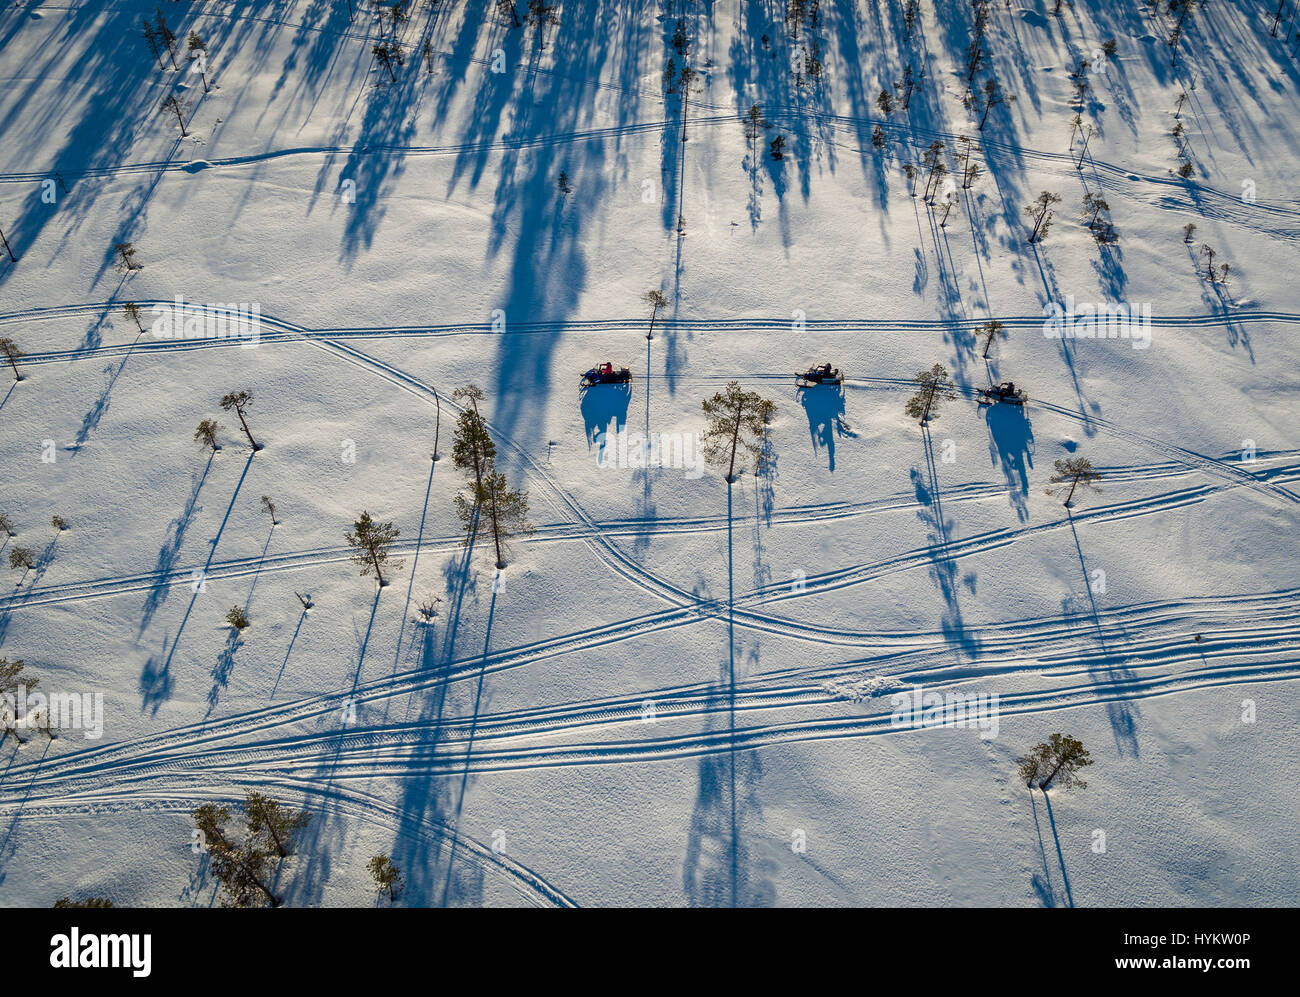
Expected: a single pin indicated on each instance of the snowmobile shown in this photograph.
(1004, 392)
(606, 373)
(825, 374)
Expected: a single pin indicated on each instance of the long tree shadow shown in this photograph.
(719, 870)
(197, 586)
(1109, 669)
(156, 680)
(453, 890)
(223, 669)
(422, 802)
(943, 568)
(170, 551)
(1042, 881)
(1065, 876)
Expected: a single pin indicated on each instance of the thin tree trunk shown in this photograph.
(252, 441)
(1067, 505)
(735, 436)
(276, 838)
(374, 558)
(496, 531)
(651, 334)
(12, 257)
(437, 425)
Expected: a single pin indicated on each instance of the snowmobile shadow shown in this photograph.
(601, 405)
(824, 406)
(1011, 447)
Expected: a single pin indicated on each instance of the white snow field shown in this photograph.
(676, 693)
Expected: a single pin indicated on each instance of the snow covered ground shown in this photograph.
(676, 693)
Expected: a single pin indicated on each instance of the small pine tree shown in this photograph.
(777, 148)
(126, 257)
(1041, 212)
(245, 871)
(563, 184)
(237, 402)
(165, 37)
(427, 608)
(878, 137)
(177, 107)
(680, 39)
(389, 54)
(237, 618)
(542, 14)
(1094, 205)
(206, 434)
(275, 824)
(885, 101)
(1189, 231)
(990, 331)
(198, 54)
(993, 96)
(472, 448)
(933, 386)
(1073, 471)
(11, 678)
(371, 542)
(22, 557)
(656, 300)
(388, 878)
(13, 354)
(268, 507)
(59, 523)
(6, 524)
(132, 311)
(151, 39)
(738, 420)
(506, 510)
(508, 7)
(1056, 760)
